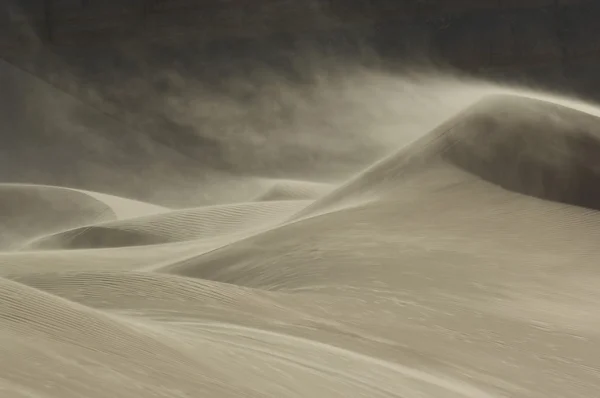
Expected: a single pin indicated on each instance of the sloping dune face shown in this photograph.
(464, 265)
(530, 147)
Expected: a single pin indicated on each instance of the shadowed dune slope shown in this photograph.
(29, 211)
(524, 145)
(464, 265)
(210, 222)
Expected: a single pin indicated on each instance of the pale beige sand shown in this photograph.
(464, 265)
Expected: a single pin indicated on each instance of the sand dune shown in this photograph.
(28, 210)
(462, 265)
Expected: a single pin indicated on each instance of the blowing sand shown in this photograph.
(464, 264)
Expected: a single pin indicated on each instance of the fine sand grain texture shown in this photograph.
(464, 264)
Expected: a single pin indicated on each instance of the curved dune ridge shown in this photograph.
(463, 265)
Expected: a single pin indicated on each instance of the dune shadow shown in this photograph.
(96, 237)
(531, 147)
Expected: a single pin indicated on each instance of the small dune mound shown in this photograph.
(31, 211)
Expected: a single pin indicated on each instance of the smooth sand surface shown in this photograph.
(462, 265)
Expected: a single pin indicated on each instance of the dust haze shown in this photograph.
(330, 228)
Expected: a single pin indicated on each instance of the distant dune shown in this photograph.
(464, 264)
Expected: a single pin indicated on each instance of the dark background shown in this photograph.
(554, 41)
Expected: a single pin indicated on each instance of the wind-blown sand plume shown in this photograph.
(66, 142)
(529, 146)
(462, 265)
